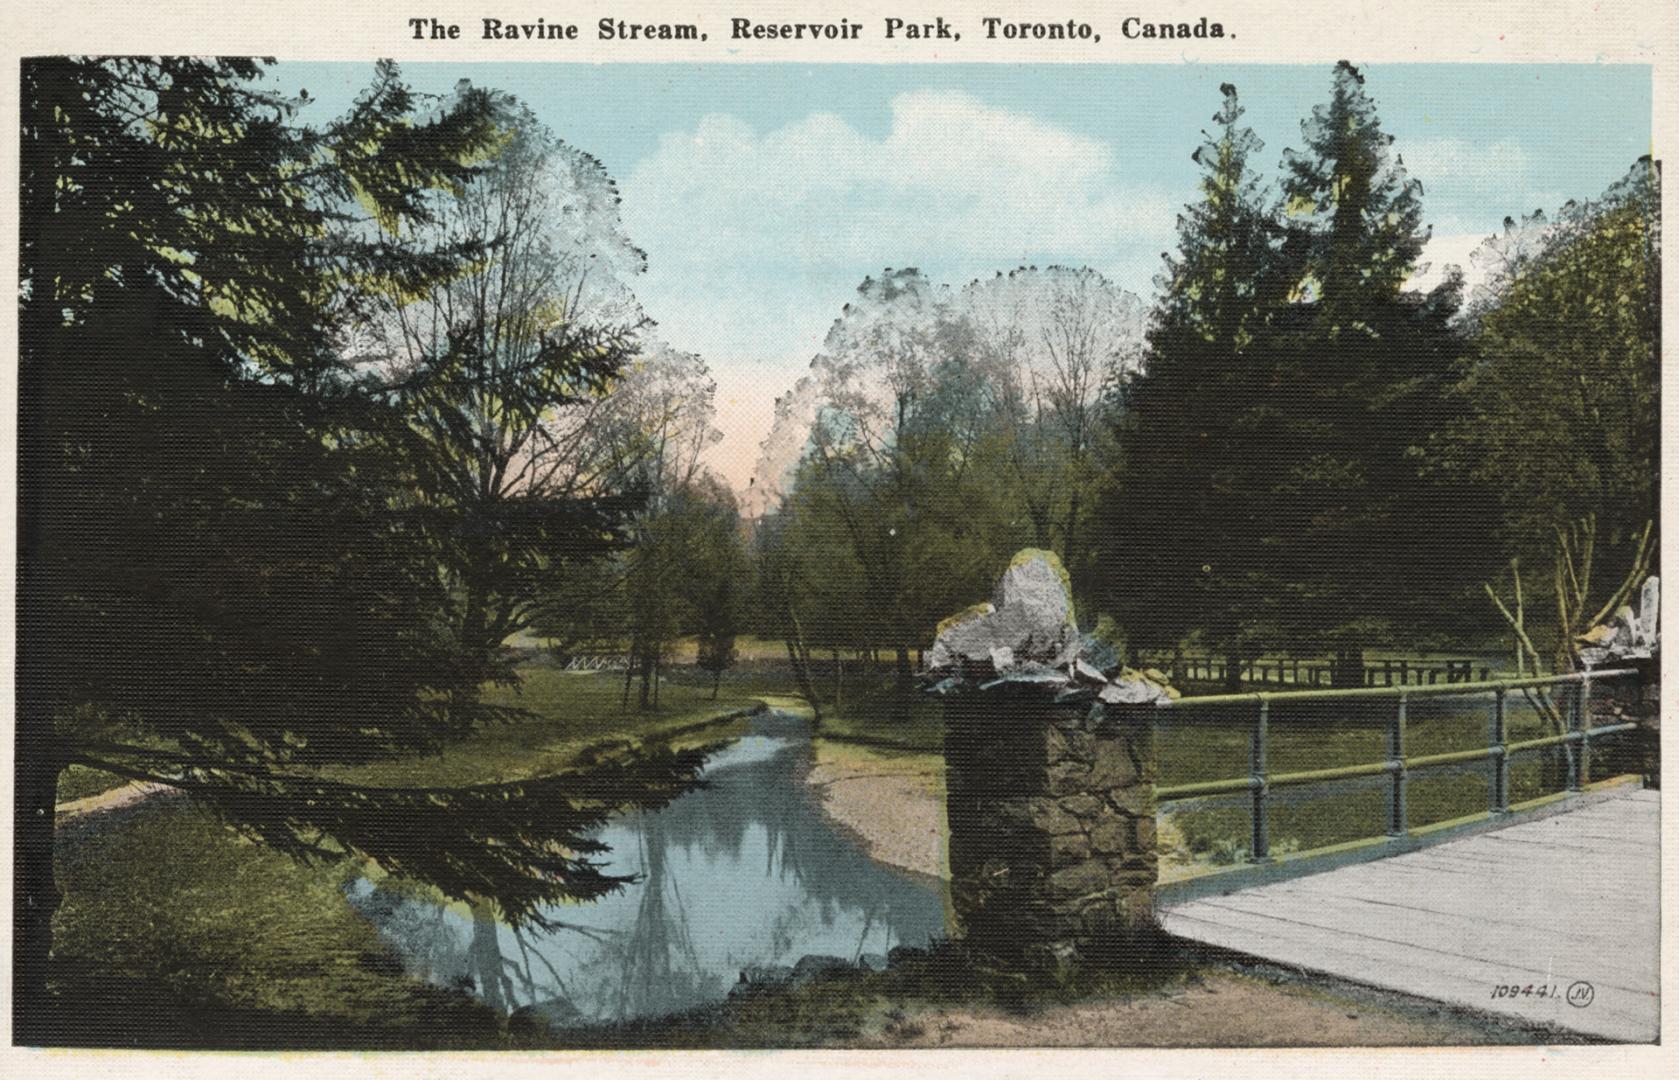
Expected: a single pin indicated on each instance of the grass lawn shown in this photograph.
(570, 711)
(175, 931)
(80, 781)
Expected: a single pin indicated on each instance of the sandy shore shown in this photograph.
(892, 802)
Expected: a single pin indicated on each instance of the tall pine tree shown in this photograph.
(1180, 523)
(1354, 214)
(1359, 547)
(1270, 495)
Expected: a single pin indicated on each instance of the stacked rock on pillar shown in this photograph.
(1631, 639)
(1637, 700)
(1049, 779)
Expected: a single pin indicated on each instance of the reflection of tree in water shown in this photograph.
(833, 875)
(422, 933)
(660, 968)
(530, 978)
(649, 964)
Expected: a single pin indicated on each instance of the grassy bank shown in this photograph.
(79, 781)
(569, 711)
(870, 712)
(175, 931)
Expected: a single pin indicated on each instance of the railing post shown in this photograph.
(1399, 814)
(1584, 772)
(1498, 742)
(1575, 710)
(1261, 822)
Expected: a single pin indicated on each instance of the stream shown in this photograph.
(744, 875)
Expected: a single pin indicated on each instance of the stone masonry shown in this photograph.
(1049, 779)
(1631, 639)
(1629, 700)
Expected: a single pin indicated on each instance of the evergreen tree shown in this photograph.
(1359, 546)
(1181, 521)
(1271, 494)
(224, 580)
(1354, 213)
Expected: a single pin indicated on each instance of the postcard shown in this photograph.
(883, 535)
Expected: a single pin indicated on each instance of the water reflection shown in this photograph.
(745, 873)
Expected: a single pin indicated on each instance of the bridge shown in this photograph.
(1544, 910)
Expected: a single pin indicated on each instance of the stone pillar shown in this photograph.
(1630, 699)
(1052, 830)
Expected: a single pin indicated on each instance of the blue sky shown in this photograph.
(764, 193)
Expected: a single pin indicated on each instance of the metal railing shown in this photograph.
(1260, 780)
(1192, 668)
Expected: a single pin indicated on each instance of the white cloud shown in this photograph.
(1496, 179)
(755, 239)
(1437, 160)
(1446, 249)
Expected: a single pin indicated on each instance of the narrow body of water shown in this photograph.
(745, 873)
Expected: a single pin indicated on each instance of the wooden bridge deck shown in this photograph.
(1553, 905)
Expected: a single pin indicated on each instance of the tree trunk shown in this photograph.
(802, 674)
(716, 681)
(839, 677)
(903, 686)
(1349, 667)
(1233, 672)
(646, 676)
(35, 894)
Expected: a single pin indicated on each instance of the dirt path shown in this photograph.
(1223, 1009)
(114, 799)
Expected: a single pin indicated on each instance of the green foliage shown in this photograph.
(1354, 215)
(1271, 494)
(1561, 408)
(946, 431)
(236, 519)
(494, 368)
(1052, 346)
(210, 551)
(1180, 521)
(686, 574)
